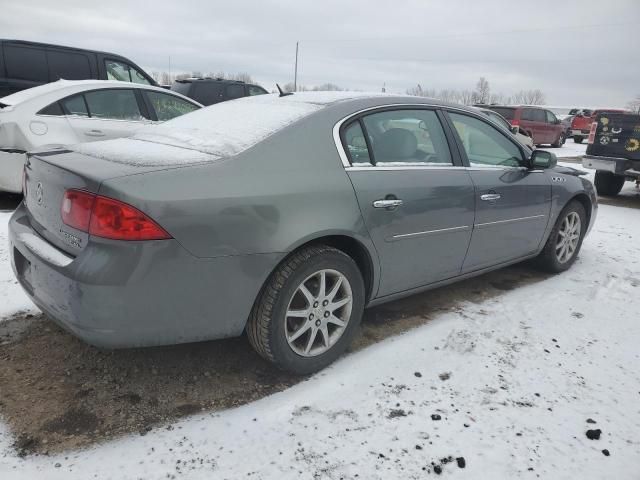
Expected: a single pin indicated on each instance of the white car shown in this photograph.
(70, 112)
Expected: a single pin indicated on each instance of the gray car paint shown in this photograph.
(233, 221)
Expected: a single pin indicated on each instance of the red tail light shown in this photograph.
(515, 123)
(108, 218)
(592, 133)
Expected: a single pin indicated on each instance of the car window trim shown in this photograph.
(86, 104)
(340, 127)
(462, 151)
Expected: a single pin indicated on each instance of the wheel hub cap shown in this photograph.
(318, 313)
(568, 237)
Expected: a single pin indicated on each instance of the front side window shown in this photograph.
(356, 144)
(117, 71)
(255, 90)
(400, 137)
(207, 93)
(169, 106)
(116, 104)
(138, 77)
(75, 106)
(484, 145)
(551, 118)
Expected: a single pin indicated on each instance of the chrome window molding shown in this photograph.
(347, 163)
(417, 166)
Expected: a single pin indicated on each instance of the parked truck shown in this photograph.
(614, 151)
(583, 119)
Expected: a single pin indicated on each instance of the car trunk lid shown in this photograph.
(49, 174)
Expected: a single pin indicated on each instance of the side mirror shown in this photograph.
(543, 159)
(556, 121)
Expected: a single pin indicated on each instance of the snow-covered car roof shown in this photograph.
(220, 130)
(43, 95)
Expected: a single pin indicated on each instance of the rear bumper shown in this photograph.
(11, 165)
(580, 133)
(619, 166)
(131, 294)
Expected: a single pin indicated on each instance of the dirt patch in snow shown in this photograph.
(60, 393)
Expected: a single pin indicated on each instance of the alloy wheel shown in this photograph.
(318, 313)
(568, 237)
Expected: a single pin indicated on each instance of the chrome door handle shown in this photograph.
(387, 203)
(94, 133)
(490, 196)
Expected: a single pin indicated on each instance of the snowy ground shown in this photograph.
(514, 380)
(569, 149)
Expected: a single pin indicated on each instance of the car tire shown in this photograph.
(608, 184)
(558, 143)
(564, 235)
(578, 139)
(296, 287)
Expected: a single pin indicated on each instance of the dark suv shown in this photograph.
(208, 91)
(540, 124)
(29, 64)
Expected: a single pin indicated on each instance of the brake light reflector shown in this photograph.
(108, 218)
(592, 133)
(76, 209)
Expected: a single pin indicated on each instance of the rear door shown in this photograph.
(416, 199)
(25, 65)
(512, 202)
(104, 114)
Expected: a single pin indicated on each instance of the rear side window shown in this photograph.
(207, 93)
(400, 137)
(181, 87)
(356, 144)
(534, 115)
(120, 104)
(484, 145)
(169, 106)
(68, 65)
(23, 63)
(53, 109)
(75, 106)
(235, 91)
(508, 113)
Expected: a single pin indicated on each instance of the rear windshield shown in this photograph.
(221, 130)
(506, 112)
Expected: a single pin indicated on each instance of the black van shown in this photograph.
(28, 64)
(208, 91)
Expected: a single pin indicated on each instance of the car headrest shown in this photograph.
(397, 144)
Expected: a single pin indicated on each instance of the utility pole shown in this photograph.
(170, 69)
(295, 75)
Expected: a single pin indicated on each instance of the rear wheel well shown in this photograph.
(352, 247)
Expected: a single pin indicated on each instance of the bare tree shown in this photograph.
(482, 92)
(529, 97)
(634, 105)
(328, 87)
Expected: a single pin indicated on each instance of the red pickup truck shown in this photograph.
(581, 123)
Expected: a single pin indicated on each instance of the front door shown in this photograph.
(416, 203)
(512, 201)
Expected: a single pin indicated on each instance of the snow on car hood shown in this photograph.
(214, 132)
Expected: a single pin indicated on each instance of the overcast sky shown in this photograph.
(579, 53)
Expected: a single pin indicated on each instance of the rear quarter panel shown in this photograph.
(285, 191)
